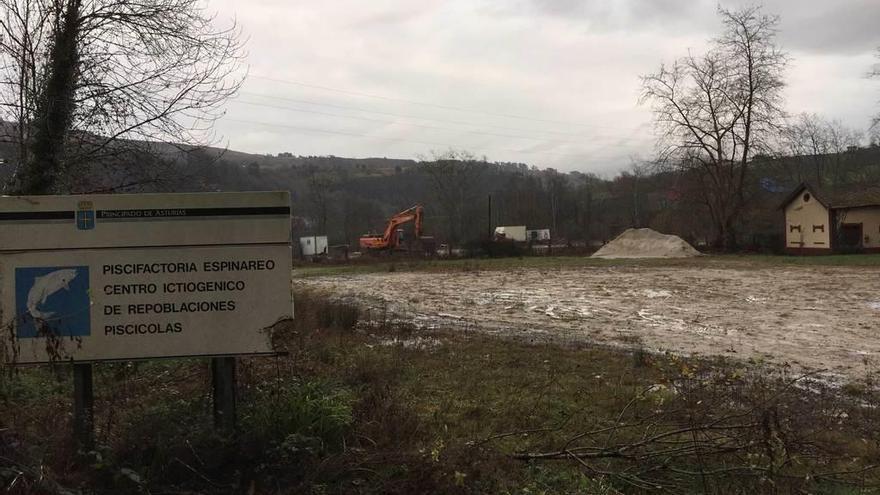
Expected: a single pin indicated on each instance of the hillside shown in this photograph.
(347, 197)
(344, 197)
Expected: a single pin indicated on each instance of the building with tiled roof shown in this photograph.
(823, 221)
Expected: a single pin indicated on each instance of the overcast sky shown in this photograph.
(551, 83)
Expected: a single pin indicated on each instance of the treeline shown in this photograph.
(346, 198)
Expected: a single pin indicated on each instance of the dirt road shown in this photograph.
(809, 317)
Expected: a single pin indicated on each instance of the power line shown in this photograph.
(432, 119)
(427, 104)
(406, 140)
(331, 131)
(390, 122)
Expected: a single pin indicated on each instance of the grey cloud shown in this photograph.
(672, 16)
(404, 14)
(570, 66)
(816, 26)
(830, 27)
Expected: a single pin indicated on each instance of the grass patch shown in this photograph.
(355, 408)
(556, 262)
(829, 260)
(310, 416)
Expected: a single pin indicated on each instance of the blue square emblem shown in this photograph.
(85, 215)
(85, 219)
(52, 299)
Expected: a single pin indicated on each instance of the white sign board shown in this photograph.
(104, 277)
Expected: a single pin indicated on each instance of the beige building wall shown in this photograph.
(869, 218)
(806, 224)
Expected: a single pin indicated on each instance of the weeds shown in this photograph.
(313, 416)
(344, 413)
(641, 357)
(574, 262)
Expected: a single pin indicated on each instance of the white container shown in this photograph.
(313, 245)
(511, 232)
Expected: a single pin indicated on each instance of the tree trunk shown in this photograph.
(720, 235)
(726, 235)
(55, 107)
(730, 242)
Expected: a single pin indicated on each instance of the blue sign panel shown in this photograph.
(85, 219)
(85, 215)
(52, 299)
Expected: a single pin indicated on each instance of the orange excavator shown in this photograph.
(390, 239)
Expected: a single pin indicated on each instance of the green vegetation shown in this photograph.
(552, 262)
(346, 198)
(830, 260)
(380, 407)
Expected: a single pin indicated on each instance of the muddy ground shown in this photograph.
(811, 318)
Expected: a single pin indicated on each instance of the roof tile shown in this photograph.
(841, 197)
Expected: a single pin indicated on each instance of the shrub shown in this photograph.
(494, 249)
(308, 417)
(324, 312)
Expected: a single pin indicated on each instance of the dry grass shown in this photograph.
(549, 262)
(386, 408)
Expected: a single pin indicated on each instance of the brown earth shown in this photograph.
(811, 318)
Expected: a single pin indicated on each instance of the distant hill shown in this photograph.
(347, 197)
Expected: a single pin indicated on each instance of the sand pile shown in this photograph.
(646, 243)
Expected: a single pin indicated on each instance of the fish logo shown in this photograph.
(55, 296)
(44, 287)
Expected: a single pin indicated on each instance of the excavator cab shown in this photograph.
(394, 235)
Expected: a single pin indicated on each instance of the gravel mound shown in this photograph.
(646, 243)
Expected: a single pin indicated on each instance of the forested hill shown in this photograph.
(344, 197)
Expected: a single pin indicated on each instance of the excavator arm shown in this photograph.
(389, 237)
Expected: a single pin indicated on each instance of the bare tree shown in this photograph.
(454, 176)
(823, 143)
(586, 205)
(715, 111)
(875, 123)
(83, 81)
(807, 136)
(555, 185)
(630, 181)
(322, 183)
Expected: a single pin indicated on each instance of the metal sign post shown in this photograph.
(224, 393)
(83, 407)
